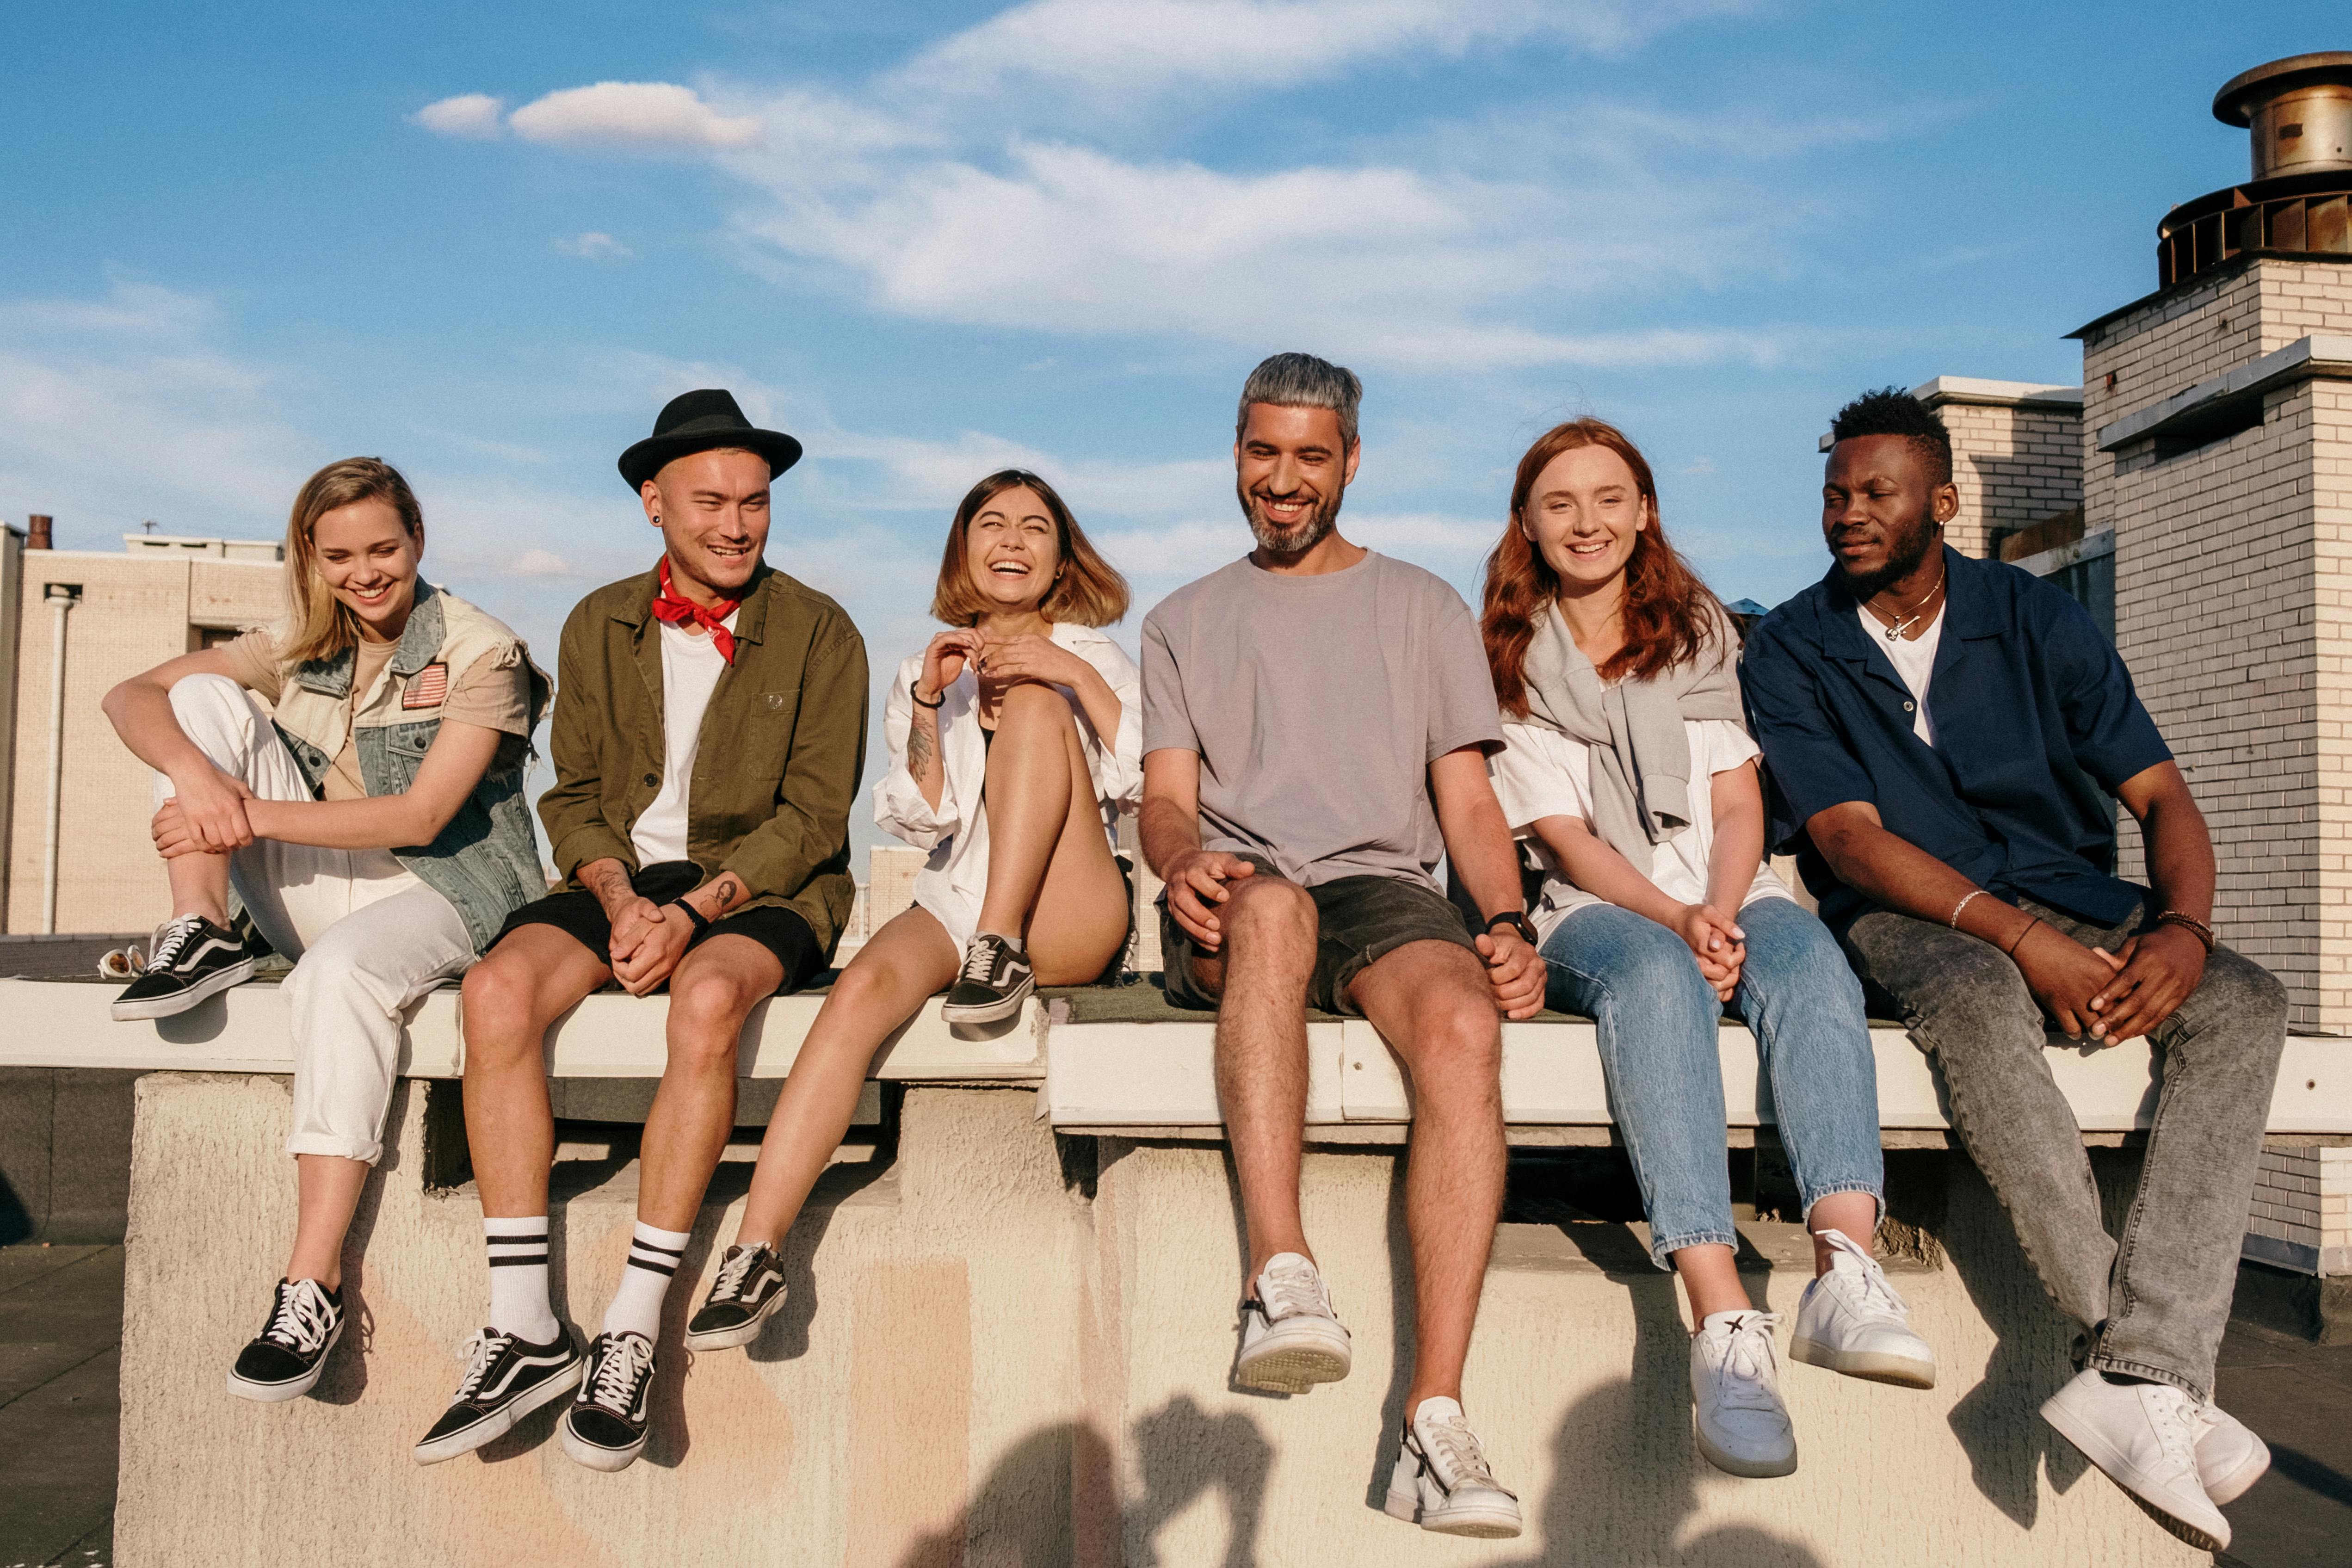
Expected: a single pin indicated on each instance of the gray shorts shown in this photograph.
(1360, 919)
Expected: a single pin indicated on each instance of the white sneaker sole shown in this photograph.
(2113, 1465)
(595, 1457)
(1488, 1523)
(742, 1334)
(990, 1012)
(1755, 1469)
(178, 1002)
(294, 1388)
(500, 1422)
(1294, 1358)
(1872, 1366)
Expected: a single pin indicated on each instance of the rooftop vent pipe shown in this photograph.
(2299, 110)
(2299, 203)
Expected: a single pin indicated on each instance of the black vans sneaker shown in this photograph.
(606, 1427)
(995, 983)
(192, 959)
(505, 1379)
(305, 1322)
(749, 1286)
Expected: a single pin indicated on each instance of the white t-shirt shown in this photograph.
(1541, 773)
(691, 666)
(1914, 661)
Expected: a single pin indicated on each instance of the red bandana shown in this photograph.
(668, 606)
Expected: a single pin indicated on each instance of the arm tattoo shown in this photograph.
(726, 892)
(609, 883)
(920, 751)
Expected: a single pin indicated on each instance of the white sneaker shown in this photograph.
(2230, 1458)
(1743, 1427)
(1850, 1320)
(1441, 1482)
(2144, 1437)
(1291, 1340)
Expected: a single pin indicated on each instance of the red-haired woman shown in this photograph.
(1016, 739)
(1629, 766)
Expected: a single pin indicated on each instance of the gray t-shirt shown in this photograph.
(1317, 705)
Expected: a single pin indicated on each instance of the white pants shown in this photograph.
(366, 935)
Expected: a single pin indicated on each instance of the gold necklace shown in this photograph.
(1895, 632)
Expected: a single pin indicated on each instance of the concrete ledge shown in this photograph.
(610, 1034)
(2321, 355)
(990, 1355)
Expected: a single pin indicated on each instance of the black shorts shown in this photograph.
(1360, 919)
(581, 916)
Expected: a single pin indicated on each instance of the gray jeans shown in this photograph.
(2157, 1300)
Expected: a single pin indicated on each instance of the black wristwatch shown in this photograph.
(701, 922)
(1518, 920)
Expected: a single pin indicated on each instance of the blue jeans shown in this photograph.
(1658, 1021)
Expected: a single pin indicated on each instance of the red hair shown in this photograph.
(1668, 614)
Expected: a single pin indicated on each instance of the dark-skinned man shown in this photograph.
(1944, 736)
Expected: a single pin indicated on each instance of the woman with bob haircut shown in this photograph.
(1629, 766)
(355, 774)
(1016, 740)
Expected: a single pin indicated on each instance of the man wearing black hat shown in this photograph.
(708, 734)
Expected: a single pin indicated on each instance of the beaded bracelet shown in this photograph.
(2189, 923)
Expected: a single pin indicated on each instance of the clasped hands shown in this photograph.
(1715, 940)
(1000, 665)
(1197, 888)
(2110, 996)
(205, 815)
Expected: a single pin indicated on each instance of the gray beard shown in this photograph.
(1299, 537)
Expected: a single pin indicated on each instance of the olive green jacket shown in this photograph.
(783, 744)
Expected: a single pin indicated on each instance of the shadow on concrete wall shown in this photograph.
(1024, 1514)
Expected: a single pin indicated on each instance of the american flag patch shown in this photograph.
(429, 688)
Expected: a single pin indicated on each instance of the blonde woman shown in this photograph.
(355, 774)
(1016, 739)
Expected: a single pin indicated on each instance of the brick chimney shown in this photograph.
(36, 531)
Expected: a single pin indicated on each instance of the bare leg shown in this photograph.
(330, 1186)
(1431, 1001)
(711, 993)
(531, 979)
(1077, 913)
(905, 960)
(1270, 928)
(199, 886)
(1710, 1279)
(1856, 1214)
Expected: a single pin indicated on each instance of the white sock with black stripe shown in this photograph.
(518, 1304)
(654, 1256)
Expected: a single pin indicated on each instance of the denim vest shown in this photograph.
(486, 861)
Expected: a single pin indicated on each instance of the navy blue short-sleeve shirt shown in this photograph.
(2036, 726)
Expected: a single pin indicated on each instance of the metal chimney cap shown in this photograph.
(2239, 97)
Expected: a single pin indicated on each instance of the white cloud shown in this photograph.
(472, 115)
(1134, 48)
(595, 245)
(539, 563)
(124, 407)
(641, 114)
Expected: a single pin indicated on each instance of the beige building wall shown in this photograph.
(137, 608)
(2230, 602)
(2017, 455)
(890, 873)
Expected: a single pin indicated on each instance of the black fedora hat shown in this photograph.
(698, 421)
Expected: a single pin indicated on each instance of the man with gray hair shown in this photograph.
(1317, 720)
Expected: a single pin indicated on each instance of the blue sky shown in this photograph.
(487, 242)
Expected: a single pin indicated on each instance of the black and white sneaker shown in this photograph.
(995, 983)
(505, 1379)
(192, 959)
(606, 1427)
(749, 1286)
(305, 1320)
